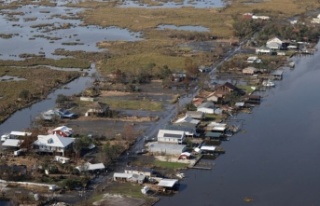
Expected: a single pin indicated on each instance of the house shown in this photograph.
(53, 143)
(263, 50)
(97, 109)
(213, 97)
(139, 171)
(91, 167)
(121, 176)
(249, 70)
(214, 135)
(188, 128)
(188, 119)
(277, 75)
(227, 88)
(63, 131)
(127, 177)
(216, 127)
(195, 114)
(253, 99)
(197, 101)
(206, 107)
(165, 148)
(15, 135)
(274, 43)
(171, 136)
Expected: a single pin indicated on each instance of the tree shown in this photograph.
(112, 151)
(190, 67)
(81, 143)
(25, 94)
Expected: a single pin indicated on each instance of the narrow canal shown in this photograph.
(23, 119)
(274, 160)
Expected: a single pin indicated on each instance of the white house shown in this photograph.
(188, 119)
(91, 167)
(53, 143)
(274, 43)
(171, 136)
(206, 107)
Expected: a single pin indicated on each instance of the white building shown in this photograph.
(171, 136)
(206, 107)
(53, 143)
(274, 43)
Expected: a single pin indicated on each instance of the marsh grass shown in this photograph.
(39, 82)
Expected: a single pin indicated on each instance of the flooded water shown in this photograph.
(175, 4)
(23, 119)
(183, 28)
(275, 159)
(40, 30)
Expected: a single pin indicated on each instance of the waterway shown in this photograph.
(23, 119)
(274, 160)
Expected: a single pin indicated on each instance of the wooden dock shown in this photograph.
(201, 166)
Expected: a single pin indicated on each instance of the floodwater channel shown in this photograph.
(274, 160)
(23, 119)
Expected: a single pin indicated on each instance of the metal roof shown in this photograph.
(167, 182)
(12, 143)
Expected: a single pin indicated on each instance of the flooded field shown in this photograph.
(40, 30)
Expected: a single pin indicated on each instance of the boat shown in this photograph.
(268, 83)
(180, 175)
(145, 190)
